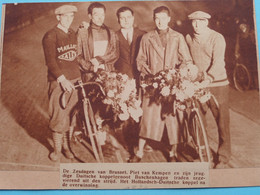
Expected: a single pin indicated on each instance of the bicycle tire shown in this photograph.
(185, 134)
(91, 134)
(199, 138)
(242, 78)
(94, 126)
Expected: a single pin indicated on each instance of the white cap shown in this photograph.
(65, 9)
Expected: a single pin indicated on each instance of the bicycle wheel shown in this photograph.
(199, 138)
(241, 77)
(94, 126)
(91, 132)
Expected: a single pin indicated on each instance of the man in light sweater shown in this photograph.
(207, 48)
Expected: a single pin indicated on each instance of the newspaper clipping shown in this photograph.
(129, 95)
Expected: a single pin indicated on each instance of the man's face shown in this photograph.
(243, 28)
(199, 25)
(66, 19)
(126, 19)
(97, 16)
(162, 20)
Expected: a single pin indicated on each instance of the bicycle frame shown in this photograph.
(89, 119)
(190, 118)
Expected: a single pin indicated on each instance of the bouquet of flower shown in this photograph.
(175, 85)
(121, 94)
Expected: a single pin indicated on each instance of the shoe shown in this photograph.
(68, 154)
(148, 148)
(55, 157)
(222, 165)
(134, 159)
(173, 159)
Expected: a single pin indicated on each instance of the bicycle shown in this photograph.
(241, 77)
(194, 132)
(88, 119)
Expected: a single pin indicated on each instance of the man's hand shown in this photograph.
(84, 24)
(237, 55)
(95, 63)
(67, 85)
(205, 83)
(145, 70)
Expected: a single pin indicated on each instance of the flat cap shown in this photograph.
(65, 9)
(199, 15)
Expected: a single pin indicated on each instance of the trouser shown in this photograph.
(59, 117)
(221, 115)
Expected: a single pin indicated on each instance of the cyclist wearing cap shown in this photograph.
(207, 49)
(59, 45)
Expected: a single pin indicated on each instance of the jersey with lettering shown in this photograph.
(60, 54)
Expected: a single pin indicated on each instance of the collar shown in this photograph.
(96, 27)
(162, 32)
(123, 30)
(63, 28)
(202, 36)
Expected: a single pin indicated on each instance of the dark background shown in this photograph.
(25, 140)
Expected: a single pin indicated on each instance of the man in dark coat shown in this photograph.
(129, 39)
(129, 42)
(97, 44)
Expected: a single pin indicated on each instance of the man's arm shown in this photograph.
(183, 52)
(142, 58)
(85, 65)
(49, 47)
(218, 63)
(113, 51)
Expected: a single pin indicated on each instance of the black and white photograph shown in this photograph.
(129, 82)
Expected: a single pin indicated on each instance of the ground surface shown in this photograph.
(25, 140)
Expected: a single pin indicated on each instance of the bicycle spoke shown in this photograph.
(241, 77)
(90, 132)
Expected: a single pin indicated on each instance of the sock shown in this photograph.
(66, 146)
(71, 129)
(57, 140)
(171, 154)
(139, 153)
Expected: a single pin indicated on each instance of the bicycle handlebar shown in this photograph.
(80, 85)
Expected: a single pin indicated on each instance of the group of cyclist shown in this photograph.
(70, 57)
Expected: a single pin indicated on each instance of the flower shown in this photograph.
(183, 72)
(165, 91)
(135, 113)
(193, 71)
(123, 107)
(120, 94)
(123, 116)
(180, 95)
(101, 136)
(110, 93)
(155, 85)
(108, 101)
(124, 77)
(99, 122)
(174, 90)
(174, 84)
